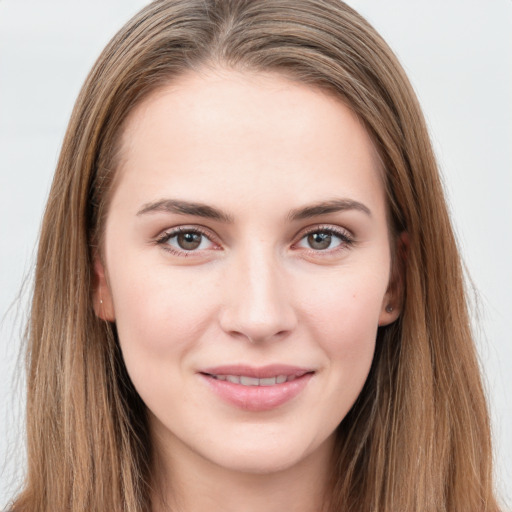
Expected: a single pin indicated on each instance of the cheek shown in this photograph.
(342, 316)
(161, 318)
(348, 301)
(159, 311)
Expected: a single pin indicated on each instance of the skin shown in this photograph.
(257, 290)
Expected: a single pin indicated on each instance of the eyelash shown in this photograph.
(346, 239)
(167, 235)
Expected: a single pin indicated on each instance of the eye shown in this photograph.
(185, 240)
(325, 240)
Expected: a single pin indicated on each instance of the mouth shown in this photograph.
(257, 389)
(246, 380)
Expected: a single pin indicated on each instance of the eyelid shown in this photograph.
(343, 233)
(315, 228)
(167, 234)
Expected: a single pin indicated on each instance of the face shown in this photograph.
(246, 264)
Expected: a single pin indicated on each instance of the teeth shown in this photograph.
(254, 381)
(249, 381)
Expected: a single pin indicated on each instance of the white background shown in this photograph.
(458, 54)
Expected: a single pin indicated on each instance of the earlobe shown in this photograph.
(102, 297)
(389, 314)
(393, 299)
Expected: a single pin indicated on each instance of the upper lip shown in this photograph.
(259, 372)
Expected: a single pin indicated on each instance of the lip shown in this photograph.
(257, 398)
(261, 372)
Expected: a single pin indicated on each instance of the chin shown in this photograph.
(272, 455)
(259, 463)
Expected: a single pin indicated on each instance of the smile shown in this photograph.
(245, 380)
(257, 389)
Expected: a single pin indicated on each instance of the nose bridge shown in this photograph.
(257, 306)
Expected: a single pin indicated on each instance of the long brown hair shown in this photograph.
(417, 439)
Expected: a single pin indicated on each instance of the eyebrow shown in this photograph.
(209, 212)
(325, 207)
(186, 208)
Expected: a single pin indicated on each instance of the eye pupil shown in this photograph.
(319, 240)
(189, 241)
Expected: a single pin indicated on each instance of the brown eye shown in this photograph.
(319, 240)
(188, 241)
(183, 241)
(326, 240)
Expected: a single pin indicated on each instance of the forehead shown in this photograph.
(250, 131)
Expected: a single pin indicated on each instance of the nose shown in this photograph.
(257, 305)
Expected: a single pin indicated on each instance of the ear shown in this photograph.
(102, 297)
(392, 303)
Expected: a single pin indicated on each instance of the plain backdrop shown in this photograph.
(458, 54)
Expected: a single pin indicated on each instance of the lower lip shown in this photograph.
(257, 398)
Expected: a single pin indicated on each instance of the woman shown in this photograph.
(248, 292)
